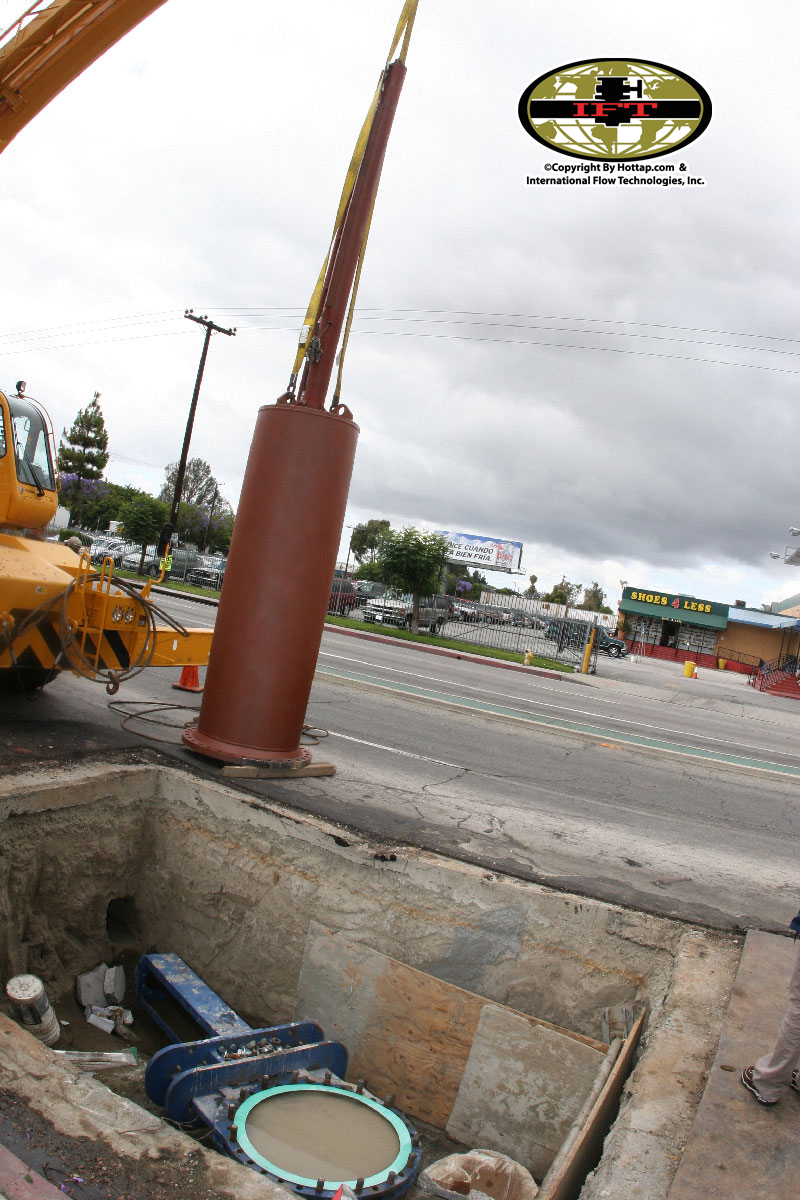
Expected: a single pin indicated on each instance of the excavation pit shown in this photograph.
(482, 1002)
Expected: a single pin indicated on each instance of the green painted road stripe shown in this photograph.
(610, 735)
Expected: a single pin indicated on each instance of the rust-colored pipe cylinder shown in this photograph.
(277, 586)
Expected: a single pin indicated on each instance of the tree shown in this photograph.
(199, 485)
(220, 528)
(564, 593)
(458, 580)
(105, 506)
(594, 598)
(369, 570)
(366, 539)
(142, 519)
(531, 590)
(81, 497)
(191, 524)
(83, 456)
(412, 561)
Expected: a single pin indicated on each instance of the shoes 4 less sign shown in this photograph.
(670, 607)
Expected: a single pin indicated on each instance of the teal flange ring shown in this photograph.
(397, 1166)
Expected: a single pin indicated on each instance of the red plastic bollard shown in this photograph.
(277, 587)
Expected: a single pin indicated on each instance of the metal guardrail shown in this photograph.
(766, 675)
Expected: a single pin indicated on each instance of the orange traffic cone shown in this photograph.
(694, 676)
(189, 681)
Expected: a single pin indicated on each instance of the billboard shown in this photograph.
(493, 554)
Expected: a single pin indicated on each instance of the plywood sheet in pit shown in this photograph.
(412, 1035)
(522, 1087)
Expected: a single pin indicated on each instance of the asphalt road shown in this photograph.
(636, 785)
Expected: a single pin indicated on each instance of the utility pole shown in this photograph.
(214, 500)
(210, 327)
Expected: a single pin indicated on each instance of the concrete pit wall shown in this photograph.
(157, 858)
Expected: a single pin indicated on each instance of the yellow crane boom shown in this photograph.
(59, 41)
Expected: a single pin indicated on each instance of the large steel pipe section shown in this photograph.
(277, 586)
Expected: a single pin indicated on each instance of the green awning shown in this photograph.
(667, 606)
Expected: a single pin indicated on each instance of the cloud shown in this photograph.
(522, 361)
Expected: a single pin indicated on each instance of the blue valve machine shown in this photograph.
(240, 1081)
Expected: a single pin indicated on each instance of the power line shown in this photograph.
(133, 318)
(290, 310)
(465, 312)
(138, 461)
(720, 362)
(139, 319)
(97, 342)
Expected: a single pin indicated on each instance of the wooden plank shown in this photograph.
(279, 771)
(567, 1182)
(408, 1033)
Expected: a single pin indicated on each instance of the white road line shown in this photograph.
(565, 708)
(394, 750)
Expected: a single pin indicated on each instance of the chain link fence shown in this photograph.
(549, 631)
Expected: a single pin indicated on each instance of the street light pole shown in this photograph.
(210, 327)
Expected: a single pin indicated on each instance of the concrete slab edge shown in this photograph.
(643, 1150)
(19, 1182)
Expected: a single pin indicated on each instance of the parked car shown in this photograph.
(520, 619)
(208, 574)
(395, 608)
(569, 634)
(367, 589)
(131, 560)
(184, 559)
(466, 610)
(497, 616)
(114, 548)
(572, 634)
(613, 646)
(343, 597)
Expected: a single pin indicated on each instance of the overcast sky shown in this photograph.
(609, 375)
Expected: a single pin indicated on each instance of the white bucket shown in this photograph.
(27, 994)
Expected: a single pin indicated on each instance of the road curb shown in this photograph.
(481, 659)
(18, 1181)
(165, 591)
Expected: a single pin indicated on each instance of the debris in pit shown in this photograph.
(103, 986)
(111, 1019)
(96, 1018)
(114, 985)
(99, 1060)
(480, 1174)
(90, 987)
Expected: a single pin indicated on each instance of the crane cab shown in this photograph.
(28, 481)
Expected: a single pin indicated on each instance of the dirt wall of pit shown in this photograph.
(151, 858)
(231, 883)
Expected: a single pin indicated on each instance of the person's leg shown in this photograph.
(773, 1071)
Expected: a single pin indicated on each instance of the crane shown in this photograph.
(50, 44)
(55, 612)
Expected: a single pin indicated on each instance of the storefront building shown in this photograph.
(712, 634)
